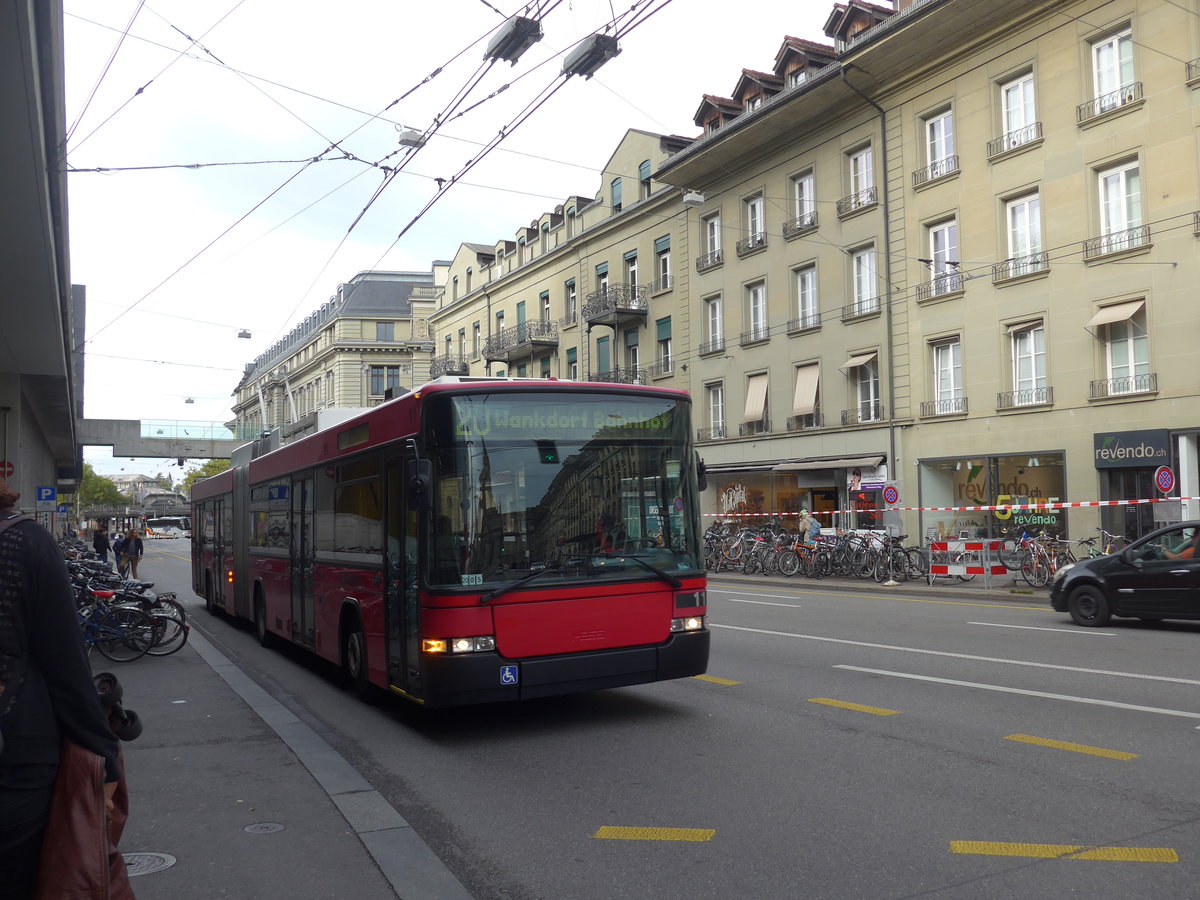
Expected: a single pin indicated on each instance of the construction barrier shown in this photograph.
(986, 564)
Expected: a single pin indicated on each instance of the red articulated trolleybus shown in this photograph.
(472, 541)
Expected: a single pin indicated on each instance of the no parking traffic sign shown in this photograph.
(1164, 479)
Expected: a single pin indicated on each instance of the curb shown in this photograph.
(1012, 591)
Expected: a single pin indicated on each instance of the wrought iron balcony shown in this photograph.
(708, 261)
(950, 406)
(939, 285)
(754, 335)
(865, 307)
(616, 303)
(448, 365)
(806, 321)
(800, 224)
(662, 284)
(662, 367)
(759, 426)
(520, 339)
(1117, 242)
(571, 318)
(937, 169)
(1125, 385)
(1021, 265)
(1040, 396)
(805, 423)
(716, 345)
(863, 414)
(620, 376)
(861, 200)
(1014, 139)
(1098, 106)
(752, 243)
(716, 433)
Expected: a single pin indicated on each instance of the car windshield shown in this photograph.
(580, 485)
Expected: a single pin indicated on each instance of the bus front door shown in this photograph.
(401, 582)
(303, 626)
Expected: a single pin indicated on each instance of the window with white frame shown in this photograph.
(804, 197)
(1029, 364)
(663, 264)
(712, 235)
(1127, 354)
(572, 301)
(753, 103)
(939, 144)
(862, 170)
(716, 409)
(808, 313)
(644, 179)
(662, 333)
(631, 350)
(544, 297)
(476, 340)
(616, 195)
(756, 311)
(1112, 68)
(947, 376)
(1018, 111)
(866, 291)
(714, 323)
(1023, 219)
(462, 343)
(631, 268)
(866, 388)
(797, 77)
(755, 229)
(1120, 208)
(943, 253)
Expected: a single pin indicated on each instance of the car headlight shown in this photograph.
(689, 623)
(1063, 571)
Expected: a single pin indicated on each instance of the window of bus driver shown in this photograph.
(524, 480)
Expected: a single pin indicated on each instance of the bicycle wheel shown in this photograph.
(170, 633)
(121, 633)
(918, 565)
(967, 558)
(1035, 571)
(789, 563)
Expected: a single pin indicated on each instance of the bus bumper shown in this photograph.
(489, 677)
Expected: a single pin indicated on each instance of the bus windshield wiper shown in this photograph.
(513, 585)
(665, 576)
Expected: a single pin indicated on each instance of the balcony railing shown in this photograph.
(716, 433)
(945, 283)
(800, 224)
(1125, 385)
(863, 414)
(759, 426)
(448, 365)
(615, 299)
(804, 423)
(754, 335)
(1021, 265)
(708, 261)
(568, 320)
(1040, 396)
(716, 345)
(662, 367)
(663, 284)
(806, 321)
(620, 376)
(860, 200)
(498, 346)
(750, 243)
(938, 169)
(863, 307)
(1098, 106)
(1196, 223)
(1014, 139)
(947, 407)
(1117, 242)
(1193, 69)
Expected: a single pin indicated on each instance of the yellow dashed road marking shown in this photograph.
(619, 833)
(1074, 748)
(1066, 851)
(714, 679)
(857, 707)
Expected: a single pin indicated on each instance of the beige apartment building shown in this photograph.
(369, 341)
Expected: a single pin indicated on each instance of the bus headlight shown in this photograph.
(480, 644)
(688, 623)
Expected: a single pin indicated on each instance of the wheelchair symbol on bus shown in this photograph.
(508, 674)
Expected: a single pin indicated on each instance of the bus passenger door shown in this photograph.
(400, 566)
(220, 554)
(303, 626)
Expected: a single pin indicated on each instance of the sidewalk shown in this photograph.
(231, 795)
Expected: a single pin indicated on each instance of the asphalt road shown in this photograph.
(844, 744)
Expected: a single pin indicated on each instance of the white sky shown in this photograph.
(164, 311)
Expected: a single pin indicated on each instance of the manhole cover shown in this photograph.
(263, 828)
(148, 863)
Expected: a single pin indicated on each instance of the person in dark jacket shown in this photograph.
(131, 552)
(46, 693)
(100, 544)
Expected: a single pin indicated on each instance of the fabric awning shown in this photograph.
(804, 402)
(846, 462)
(855, 361)
(1118, 312)
(1024, 325)
(756, 398)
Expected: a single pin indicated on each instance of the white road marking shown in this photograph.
(970, 656)
(767, 603)
(1083, 631)
(752, 594)
(1044, 694)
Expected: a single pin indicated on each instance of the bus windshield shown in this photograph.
(585, 485)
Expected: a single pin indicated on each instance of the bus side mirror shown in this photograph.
(420, 483)
(701, 473)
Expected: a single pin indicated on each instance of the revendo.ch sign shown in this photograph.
(1133, 449)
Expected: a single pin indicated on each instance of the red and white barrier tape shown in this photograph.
(1079, 504)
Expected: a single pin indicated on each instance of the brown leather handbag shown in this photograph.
(80, 860)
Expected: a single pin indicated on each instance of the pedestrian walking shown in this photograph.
(46, 693)
(100, 544)
(131, 553)
(118, 546)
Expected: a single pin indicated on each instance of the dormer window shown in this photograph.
(754, 103)
(797, 78)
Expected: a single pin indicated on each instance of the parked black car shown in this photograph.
(1157, 577)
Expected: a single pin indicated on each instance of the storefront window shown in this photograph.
(992, 481)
